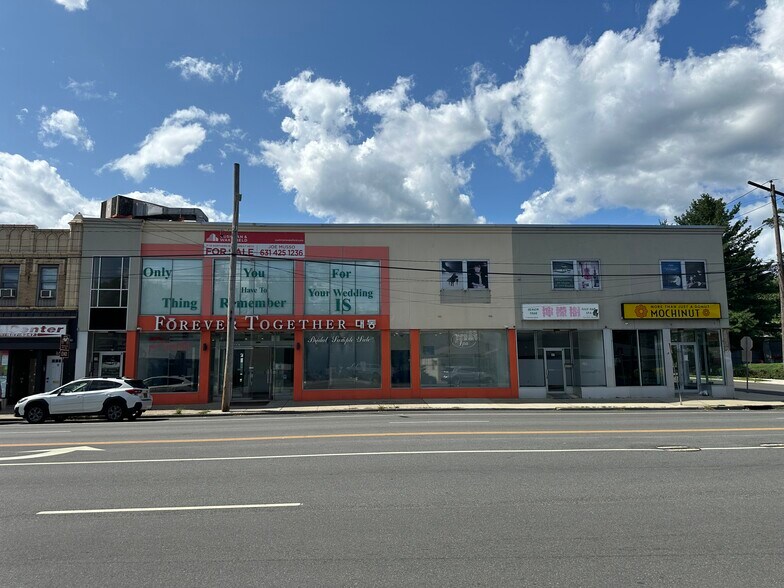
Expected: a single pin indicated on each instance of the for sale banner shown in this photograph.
(256, 244)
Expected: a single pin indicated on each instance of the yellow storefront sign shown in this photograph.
(671, 311)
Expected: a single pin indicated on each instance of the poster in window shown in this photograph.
(563, 275)
(671, 275)
(588, 275)
(695, 275)
(452, 276)
(477, 275)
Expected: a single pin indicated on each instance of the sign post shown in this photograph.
(746, 344)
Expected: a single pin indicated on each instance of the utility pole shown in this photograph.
(228, 370)
(779, 262)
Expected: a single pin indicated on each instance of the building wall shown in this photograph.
(519, 263)
(629, 261)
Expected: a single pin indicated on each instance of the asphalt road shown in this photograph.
(397, 499)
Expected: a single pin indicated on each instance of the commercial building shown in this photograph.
(39, 280)
(403, 311)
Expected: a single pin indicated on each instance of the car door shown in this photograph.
(68, 399)
(96, 393)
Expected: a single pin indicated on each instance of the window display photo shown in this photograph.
(477, 275)
(452, 275)
(695, 275)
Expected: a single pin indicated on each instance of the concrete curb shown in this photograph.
(443, 406)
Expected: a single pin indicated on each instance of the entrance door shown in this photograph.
(685, 366)
(110, 364)
(54, 373)
(252, 373)
(554, 369)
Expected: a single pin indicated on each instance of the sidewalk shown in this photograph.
(742, 401)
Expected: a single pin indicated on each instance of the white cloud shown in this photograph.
(34, 193)
(206, 168)
(194, 67)
(71, 5)
(181, 134)
(64, 124)
(408, 171)
(625, 127)
(86, 90)
(22, 115)
(621, 125)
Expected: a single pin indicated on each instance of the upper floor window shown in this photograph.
(683, 275)
(109, 286)
(345, 287)
(261, 287)
(9, 281)
(47, 285)
(464, 274)
(575, 274)
(171, 286)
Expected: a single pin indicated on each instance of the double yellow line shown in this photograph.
(408, 434)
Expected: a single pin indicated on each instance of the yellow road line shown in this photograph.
(397, 434)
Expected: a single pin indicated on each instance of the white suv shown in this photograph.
(115, 398)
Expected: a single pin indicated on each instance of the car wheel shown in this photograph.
(35, 414)
(58, 418)
(114, 411)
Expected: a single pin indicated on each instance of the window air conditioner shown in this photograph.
(7, 293)
(47, 293)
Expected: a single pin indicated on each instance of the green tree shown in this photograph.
(752, 291)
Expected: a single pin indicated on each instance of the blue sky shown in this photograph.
(579, 111)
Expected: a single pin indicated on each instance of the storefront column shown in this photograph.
(609, 357)
(669, 373)
(204, 366)
(416, 385)
(386, 363)
(131, 353)
(514, 379)
(80, 367)
(299, 364)
(729, 379)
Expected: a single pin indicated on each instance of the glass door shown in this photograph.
(686, 367)
(259, 373)
(110, 364)
(555, 371)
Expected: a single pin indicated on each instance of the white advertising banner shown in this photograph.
(560, 312)
(32, 330)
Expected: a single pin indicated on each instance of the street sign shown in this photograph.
(746, 344)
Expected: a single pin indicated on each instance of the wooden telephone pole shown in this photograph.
(228, 370)
(779, 263)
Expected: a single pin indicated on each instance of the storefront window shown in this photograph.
(530, 365)
(400, 356)
(171, 286)
(341, 360)
(711, 343)
(464, 359)
(351, 287)
(261, 287)
(169, 362)
(589, 367)
(638, 358)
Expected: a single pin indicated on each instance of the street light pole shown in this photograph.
(228, 370)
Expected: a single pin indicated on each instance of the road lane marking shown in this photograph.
(444, 422)
(407, 434)
(37, 454)
(39, 432)
(376, 453)
(168, 508)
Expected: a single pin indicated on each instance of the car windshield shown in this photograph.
(71, 387)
